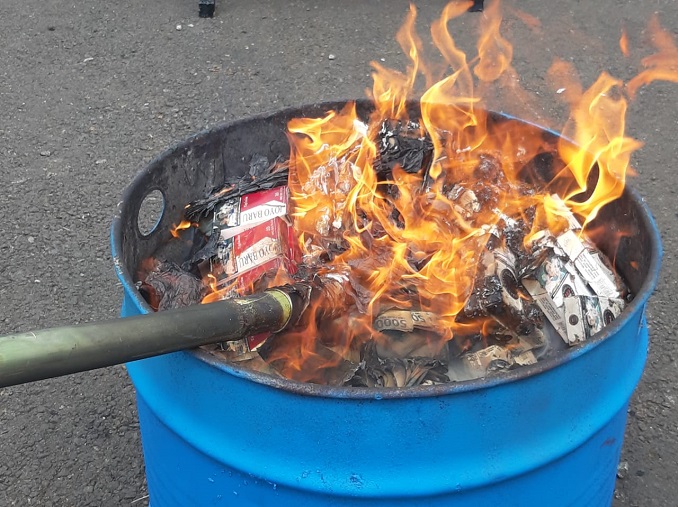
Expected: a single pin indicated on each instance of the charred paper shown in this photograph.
(375, 371)
(496, 291)
(403, 144)
(169, 286)
(481, 363)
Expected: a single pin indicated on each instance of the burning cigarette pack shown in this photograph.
(571, 269)
(241, 213)
(550, 284)
(248, 255)
(588, 261)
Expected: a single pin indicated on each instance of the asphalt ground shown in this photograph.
(91, 91)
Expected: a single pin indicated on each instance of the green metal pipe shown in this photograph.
(37, 355)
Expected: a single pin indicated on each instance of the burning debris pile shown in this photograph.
(520, 284)
(437, 242)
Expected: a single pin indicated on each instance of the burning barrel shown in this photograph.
(549, 433)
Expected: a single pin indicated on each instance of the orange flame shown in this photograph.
(184, 224)
(662, 66)
(412, 241)
(409, 235)
(528, 19)
(339, 197)
(597, 127)
(494, 52)
(624, 43)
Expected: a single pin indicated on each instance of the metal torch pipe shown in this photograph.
(37, 355)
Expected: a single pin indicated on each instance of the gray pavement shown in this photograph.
(91, 91)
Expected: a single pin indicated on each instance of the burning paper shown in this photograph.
(440, 240)
(402, 320)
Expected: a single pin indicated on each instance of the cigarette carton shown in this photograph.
(585, 316)
(236, 215)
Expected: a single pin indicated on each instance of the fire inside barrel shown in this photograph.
(435, 247)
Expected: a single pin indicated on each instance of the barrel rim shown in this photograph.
(632, 309)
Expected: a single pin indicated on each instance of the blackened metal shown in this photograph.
(533, 174)
(184, 246)
(260, 166)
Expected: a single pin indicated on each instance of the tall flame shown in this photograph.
(407, 239)
(663, 65)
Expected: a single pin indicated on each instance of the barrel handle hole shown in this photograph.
(150, 212)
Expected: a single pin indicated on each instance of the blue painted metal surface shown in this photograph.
(547, 434)
(211, 435)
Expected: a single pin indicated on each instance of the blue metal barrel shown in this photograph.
(215, 434)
